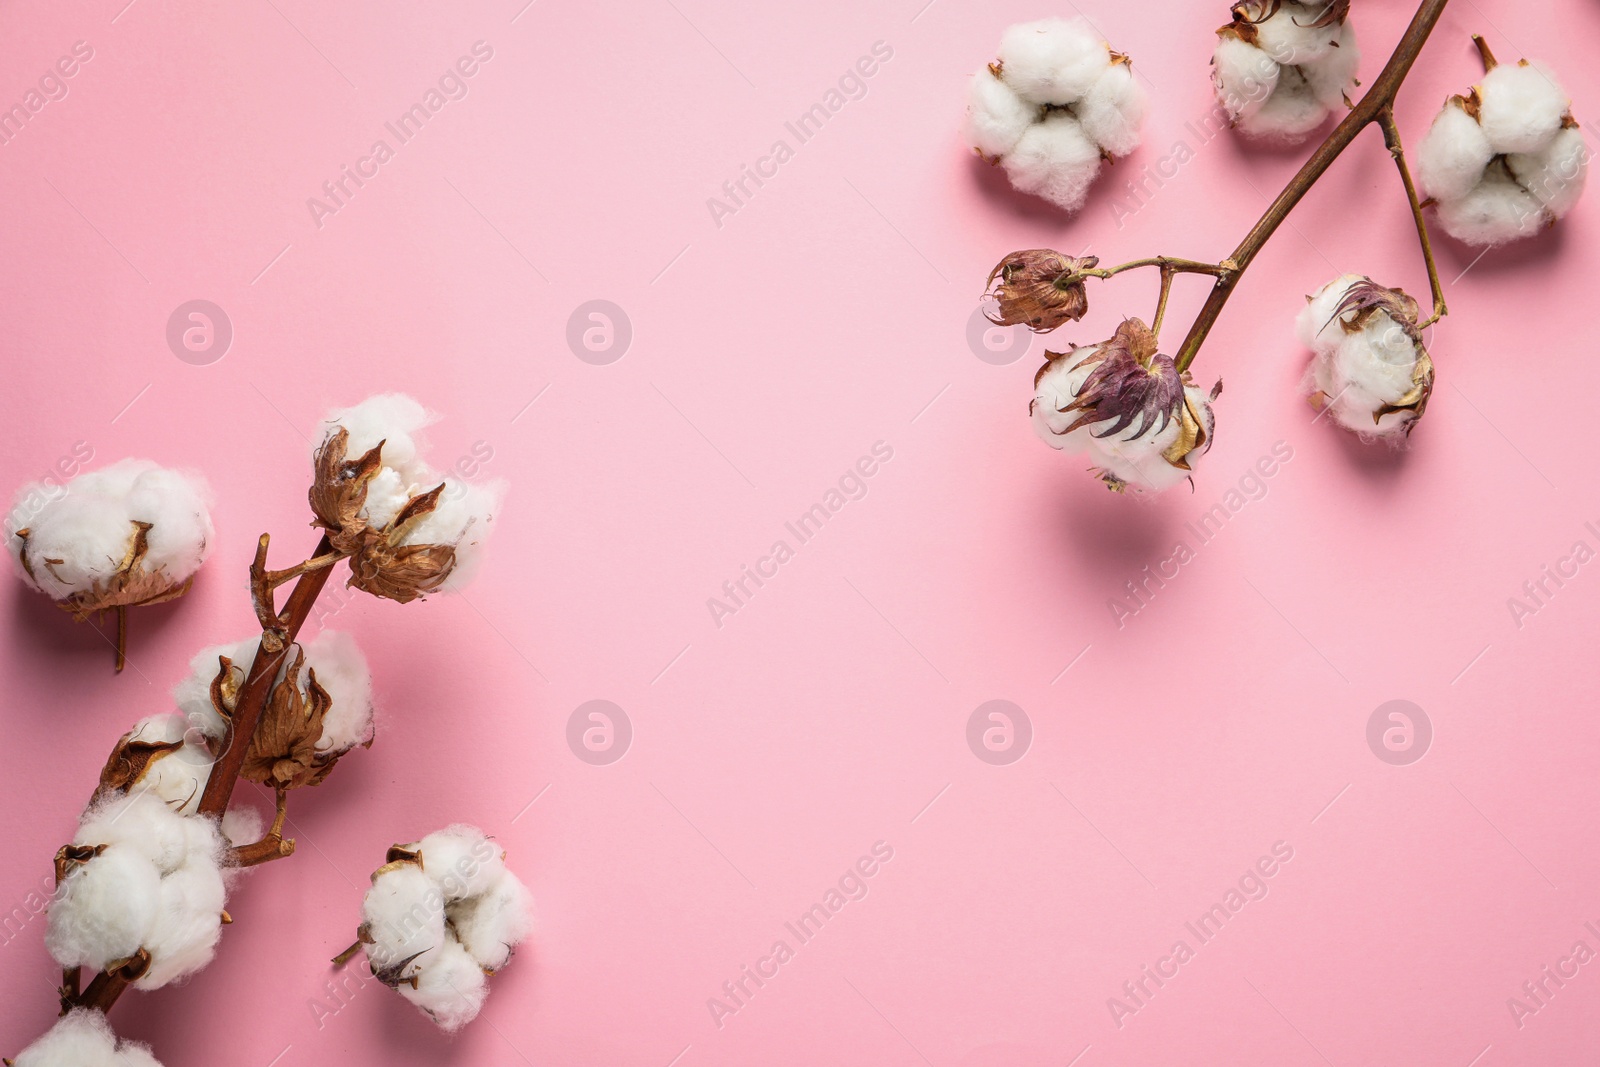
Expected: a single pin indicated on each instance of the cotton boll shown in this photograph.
(1556, 175)
(1113, 109)
(1245, 77)
(996, 117)
(188, 923)
(451, 987)
(81, 1038)
(1333, 77)
(1496, 211)
(342, 670)
(1369, 369)
(391, 418)
(78, 540)
(491, 924)
(104, 909)
(1052, 61)
(403, 913)
(1452, 156)
(461, 860)
(1055, 160)
(464, 518)
(1522, 106)
(1290, 38)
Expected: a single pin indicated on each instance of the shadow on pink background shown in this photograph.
(1172, 747)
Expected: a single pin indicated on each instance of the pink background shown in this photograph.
(769, 353)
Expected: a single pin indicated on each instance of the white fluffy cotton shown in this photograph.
(341, 670)
(451, 987)
(1282, 78)
(243, 824)
(1055, 160)
(157, 885)
(404, 916)
(1452, 156)
(491, 924)
(1522, 106)
(1055, 103)
(461, 860)
(997, 116)
(466, 510)
(83, 1038)
(104, 909)
(440, 927)
(1507, 161)
(1354, 376)
(1131, 458)
(78, 539)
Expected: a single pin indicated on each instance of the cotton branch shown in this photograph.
(1378, 101)
(310, 577)
(1391, 138)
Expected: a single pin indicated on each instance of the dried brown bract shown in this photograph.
(1040, 289)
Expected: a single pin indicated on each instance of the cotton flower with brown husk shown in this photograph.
(124, 536)
(1369, 368)
(1142, 423)
(406, 530)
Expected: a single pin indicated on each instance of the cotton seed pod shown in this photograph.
(442, 916)
(128, 534)
(407, 529)
(1056, 103)
(1282, 68)
(1505, 160)
(283, 752)
(1369, 367)
(1040, 289)
(1143, 423)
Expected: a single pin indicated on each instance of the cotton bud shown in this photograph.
(123, 536)
(442, 916)
(140, 890)
(1142, 423)
(1054, 104)
(1369, 368)
(1506, 160)
(207, 696)
(1039, 289)
(1283, 67)
(83, 1038)
(407, 530)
